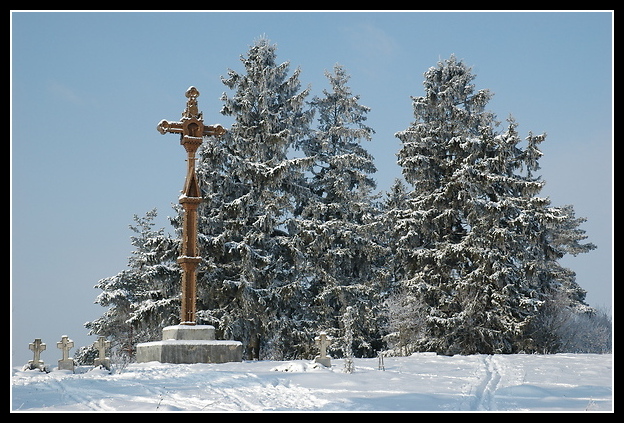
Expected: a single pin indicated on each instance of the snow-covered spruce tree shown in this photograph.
(143, 298)
(334, 226)
(401, 310)
(248, 287)
(480, 248)
(395, 225)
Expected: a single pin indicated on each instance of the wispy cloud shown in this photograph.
(370, 41)
(373, 50)
(64, 92)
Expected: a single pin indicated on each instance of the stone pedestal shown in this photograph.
(187, 344)
(104, 362)
(325, 361)
(66, 364)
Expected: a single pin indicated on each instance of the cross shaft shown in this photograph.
(192, 130)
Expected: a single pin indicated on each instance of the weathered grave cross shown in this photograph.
(101, 344)
(323, 341)
(192, 130)
(36, 347)
(65, 344)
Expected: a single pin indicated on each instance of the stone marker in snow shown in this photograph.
(65, 344)
(323, 342)
(101, 344)
(36, 347)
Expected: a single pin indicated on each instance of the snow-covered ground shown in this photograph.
(421, 382)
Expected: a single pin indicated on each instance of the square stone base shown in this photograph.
(325, 361)
(179, 347)
(67, 364)
(189, 332)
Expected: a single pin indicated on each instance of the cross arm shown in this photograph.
(214, 130)
(165, 126)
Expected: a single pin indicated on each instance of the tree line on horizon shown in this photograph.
(460, 256)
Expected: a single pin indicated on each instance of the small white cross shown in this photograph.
(65, 344)
(37, 347)
(323, 342)
(101, 344)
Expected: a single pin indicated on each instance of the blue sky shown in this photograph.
(88, 88)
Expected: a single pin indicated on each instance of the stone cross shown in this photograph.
(65, 344)
(36, 347)
(323, 342)
(192, 130)
(101, 344)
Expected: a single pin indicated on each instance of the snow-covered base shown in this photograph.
(189, 351)
(421, 382)
(186, 344)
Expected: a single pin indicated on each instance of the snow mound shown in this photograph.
(299, 366)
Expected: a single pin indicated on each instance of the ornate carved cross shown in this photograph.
(192, 130)
(37, 347)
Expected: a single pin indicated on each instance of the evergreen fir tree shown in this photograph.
(401, 309)
(249, 287)
(394, 226)
(144, 298)
(334, 226)
(480, 256)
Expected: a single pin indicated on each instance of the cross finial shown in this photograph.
(191, 113)
(192, 109)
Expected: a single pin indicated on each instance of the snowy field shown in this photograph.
(421, 382)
